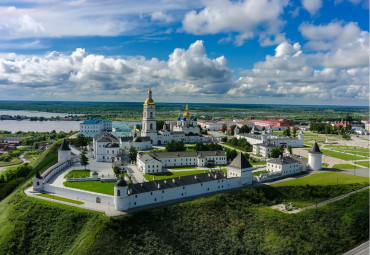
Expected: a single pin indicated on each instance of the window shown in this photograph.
(151, 193)
(151, 126)
(38, 183)
(134, 203)
(155, 199)
(162, 191)
(118, 192)
(182, 194)
(183, 187)
(135, 196)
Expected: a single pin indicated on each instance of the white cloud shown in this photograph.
(346, 45)
(160, 16)
(292, 76)
(249, 18)
(85, 18)
(312, 6)
(80, 75)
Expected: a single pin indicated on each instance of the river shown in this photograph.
(34, 113)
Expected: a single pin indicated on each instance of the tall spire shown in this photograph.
(149, 100)
(186, 113)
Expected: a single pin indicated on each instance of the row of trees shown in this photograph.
(241, 143)
(175, 146)
(208, 147)
(327, 128)
(14, 173)
(278, 151)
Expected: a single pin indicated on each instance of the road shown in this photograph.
(362, 249)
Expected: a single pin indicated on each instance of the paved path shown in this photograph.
(109, 211)
(362, 249)
(135, 174)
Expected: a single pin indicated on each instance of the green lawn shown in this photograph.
(182, 167)
(259, 172)
(344, 166)
(257, 163)
(94, 186)
(169, 175)
(77, 173)
(363, 163)
(16, 161)
(325, 164)
(340, 155)
(327, 178)
(351, 149)
(61, 199)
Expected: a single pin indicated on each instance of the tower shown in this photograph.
(264, 136)
(64, 152)
(149, 124)
(121, 196)
(240, 167)
(315, 157)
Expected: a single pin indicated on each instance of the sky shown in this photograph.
(308, 52)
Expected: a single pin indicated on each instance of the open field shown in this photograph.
(77, 173)
(363, 163)
(15, 161)
(323, 179)
(350, 149)
(94, 186)
(340, 155)
(344, 166)
(61, 199)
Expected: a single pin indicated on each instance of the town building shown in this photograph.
(284, 166)
(263, 149)
(256, 138)
(155, 162)
(90, 128)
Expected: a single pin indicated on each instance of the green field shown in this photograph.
(340, 155)
(344, 166)
(15, 161)
(182, 167)
(351, 149)
(363, 163)
(257, 173)
(61, 199)
(78, 173)
(169, 175)
(94, 186)
(323, 179)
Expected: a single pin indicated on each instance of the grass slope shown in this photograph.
(240, 222)
(61, 199)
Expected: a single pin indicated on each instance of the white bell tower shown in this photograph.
(149, 123)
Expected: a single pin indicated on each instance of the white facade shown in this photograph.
(283, 165)
(90, 128)
(150, 163)
(263, 149)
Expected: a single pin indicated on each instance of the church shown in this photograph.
(185, 129)
(106, 146)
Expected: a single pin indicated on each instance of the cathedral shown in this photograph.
(185, 129)
(106, 146)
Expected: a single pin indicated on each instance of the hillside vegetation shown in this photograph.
(240, 222)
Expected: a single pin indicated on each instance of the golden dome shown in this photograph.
(149, 100)
(186, 113)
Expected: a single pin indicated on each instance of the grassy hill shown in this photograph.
(239, 222)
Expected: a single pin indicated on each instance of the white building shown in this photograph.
(90, 128)
(263, 149)
(154, 162)
(269, 138)
(106, 147)
(315, 157)
(284, 165)
(130, 196)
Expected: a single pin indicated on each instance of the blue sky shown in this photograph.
(250, 51)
